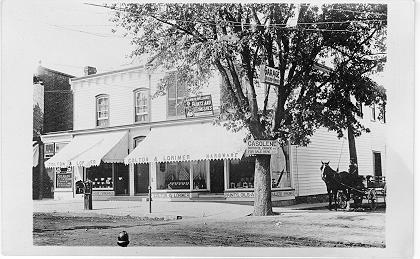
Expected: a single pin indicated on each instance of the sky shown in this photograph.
(65, 35)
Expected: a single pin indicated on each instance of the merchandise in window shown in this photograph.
(241, 173)
(199, 175)
(101, 176)
(173, 176)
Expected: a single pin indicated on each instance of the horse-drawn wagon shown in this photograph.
(343, 185)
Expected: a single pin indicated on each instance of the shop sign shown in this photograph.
(262, 147)
(64, 180)
(232, 155)
(49, 150)
(270, 75)
(198, 106)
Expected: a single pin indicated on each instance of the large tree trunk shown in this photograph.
(352, 150)
(262, 186)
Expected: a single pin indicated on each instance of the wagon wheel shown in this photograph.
(372, 199)
(341, 200)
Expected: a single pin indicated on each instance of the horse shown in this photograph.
(344, 181)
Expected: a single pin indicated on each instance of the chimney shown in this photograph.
(90, 70)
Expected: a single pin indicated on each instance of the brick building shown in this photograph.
(52, 112)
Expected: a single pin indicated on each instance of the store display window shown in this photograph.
(101, 176)
(199, 174)
(241, 173)
(173, 176)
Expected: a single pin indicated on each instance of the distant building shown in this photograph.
(58, 100)
(52, 112)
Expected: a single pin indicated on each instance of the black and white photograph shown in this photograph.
(217, 129)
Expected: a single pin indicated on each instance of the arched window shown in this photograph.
(141, 105)
(102, 110)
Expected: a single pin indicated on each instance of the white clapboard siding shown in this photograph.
(367, 143)
(119, 88)
(325, 146)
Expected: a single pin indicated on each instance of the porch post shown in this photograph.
(191, 175)
(226, 173)
(208, 174)
(131, 179)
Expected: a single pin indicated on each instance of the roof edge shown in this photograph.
(107, 73)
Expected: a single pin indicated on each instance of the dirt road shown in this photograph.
(320, 228)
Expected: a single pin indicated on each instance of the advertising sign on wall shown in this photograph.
(269, 75)
(262, 147)
(198, 106)
(64, 178)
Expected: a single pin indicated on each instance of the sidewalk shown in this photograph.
(160, 209)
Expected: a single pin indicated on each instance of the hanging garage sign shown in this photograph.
(198, 106)
(270, 75)
(262, 147)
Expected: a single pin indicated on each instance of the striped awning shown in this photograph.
(90, 149)
(35, 154)
(188, 142)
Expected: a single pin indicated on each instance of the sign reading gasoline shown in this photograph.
(198, 106)
(270, 75)
(262, 147)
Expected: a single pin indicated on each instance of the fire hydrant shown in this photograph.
(123, 239)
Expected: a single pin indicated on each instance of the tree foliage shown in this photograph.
(235, 39)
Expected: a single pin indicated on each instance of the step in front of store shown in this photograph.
(201, 197)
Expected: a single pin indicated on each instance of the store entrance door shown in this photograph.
(121, 179)
(141, 178)
(217, 176)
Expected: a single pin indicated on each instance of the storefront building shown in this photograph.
(126, 138)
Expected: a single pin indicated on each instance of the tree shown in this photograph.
(235, 40)
(355, 59)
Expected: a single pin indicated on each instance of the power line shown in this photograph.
(276, 25)
(76, 30)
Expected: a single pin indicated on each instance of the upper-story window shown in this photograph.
(373, 112)
(382, 112)
(359, 107)
(102, 110)
(176, 94)
(141, 105)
